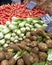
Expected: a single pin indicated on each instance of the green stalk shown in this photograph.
(18, 55)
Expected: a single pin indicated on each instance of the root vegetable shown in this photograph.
(15, 47)
(24, 47)
(9, 55)
(49, 43)
(33, 33)
(33, 38)
(27, 58)
(42, 56)
(50, 35)
(40, 31)
(23, 42)
(43, 46)
(6, 49)
(27, 40)
(2, 55)
(13, 60)
(4, 62)
(33, 43)
(35, 50)
(35, 57)
(20, 62)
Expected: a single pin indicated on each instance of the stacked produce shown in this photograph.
(17, 10)
(23, 38)
(43, 4)
(33, 50)
(18, 29)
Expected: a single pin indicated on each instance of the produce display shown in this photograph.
(43, 4)
(18, 29)
(18, 10)
(33, 50)
(26, 33)
(47, 5)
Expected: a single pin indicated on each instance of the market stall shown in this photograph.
(26, 33)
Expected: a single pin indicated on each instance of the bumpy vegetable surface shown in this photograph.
(30, 51)
(18, 29)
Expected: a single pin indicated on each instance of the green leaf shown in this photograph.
(48, 63)
(49, 55)
(41, 63)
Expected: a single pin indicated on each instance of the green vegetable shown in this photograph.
(49, 59)
(5, 45)
(12, 27)
(35, 21)
(22, 24)
(48, 63)
(2, 41)
(23, 29)
(10, 50)
(49, 55)
(1, 35)
(29, 19)
(15, 19)
(8, 36)
(5, 30)
(37, 25)
(18, 55)
(18, 32)
(1, 48)
(8, 23)
(41, 63)
(39, 39)
(18, 29)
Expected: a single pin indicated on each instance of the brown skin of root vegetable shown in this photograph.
(33, 38)
(35, 50)
(42, 56)
(28, 59)
(49, 43)
(27, 40)
(24, 47)
(2, 55)
(23, 42)
(32, 44)
(31, 58)
(33, 54)
(33, 33)
(4, 62)
(15, 47)
(12, 61)
(9, 55)
(6, 49)
(35, 57)
(40, 31)
(36, 60)
(49, 34)
(20, 62)
(43, 46)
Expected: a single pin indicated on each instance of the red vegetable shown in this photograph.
(20, 11)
